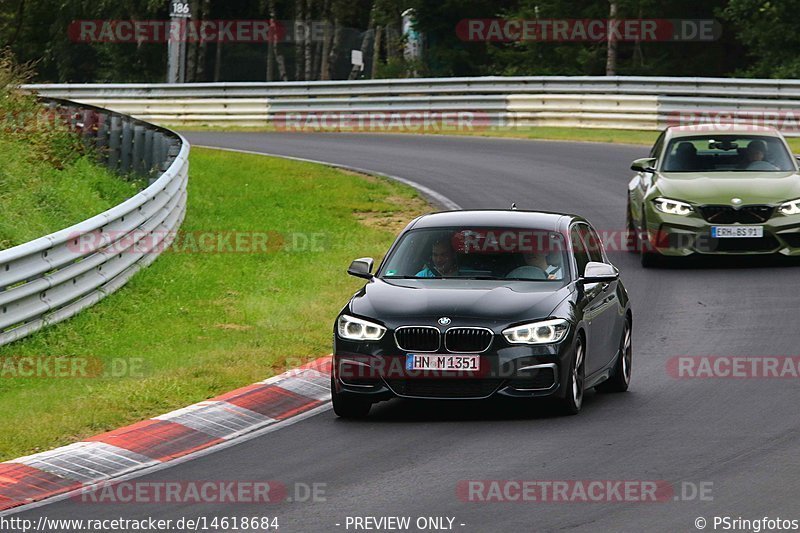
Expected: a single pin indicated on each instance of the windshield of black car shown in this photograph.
(479, 253)
(727, 153)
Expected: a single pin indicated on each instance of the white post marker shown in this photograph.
(179, 14)
(357, 59)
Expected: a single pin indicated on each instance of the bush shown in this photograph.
(23, 118)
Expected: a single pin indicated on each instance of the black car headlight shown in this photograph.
(357, 329)
(791, 207)
(541, 332)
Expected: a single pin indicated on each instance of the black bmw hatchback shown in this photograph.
(481, 303)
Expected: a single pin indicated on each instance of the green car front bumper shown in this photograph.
(680, 236)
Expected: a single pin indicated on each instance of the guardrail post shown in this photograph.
(148, 153)
(172, 151)
(127, 146)
(87, 126)
(101, 141)
(72, 115)
(159, 153)
(114, 138)
(138, 149)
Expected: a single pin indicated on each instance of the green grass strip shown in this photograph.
(199, 322)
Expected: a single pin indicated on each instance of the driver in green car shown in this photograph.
(756, 153)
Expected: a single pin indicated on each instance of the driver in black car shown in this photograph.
(444, 261)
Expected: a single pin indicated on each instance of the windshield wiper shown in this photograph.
(411, 277)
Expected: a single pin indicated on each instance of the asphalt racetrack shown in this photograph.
(739, 436)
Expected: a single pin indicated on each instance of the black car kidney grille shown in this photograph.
(467, 340)
(747, 214)
(417, 339)
(444, 388)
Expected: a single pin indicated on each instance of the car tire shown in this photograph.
(346, 406)
(632, 238)
(621, 375)
(649, 257)
(573, 395)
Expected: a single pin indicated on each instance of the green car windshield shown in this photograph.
(479, 253)
(727, 153)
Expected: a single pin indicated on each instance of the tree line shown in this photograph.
(755, 38)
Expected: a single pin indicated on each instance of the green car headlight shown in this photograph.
(791, 207)
(673, 207)
(544, 332)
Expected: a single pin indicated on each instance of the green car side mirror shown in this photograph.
(645, 164)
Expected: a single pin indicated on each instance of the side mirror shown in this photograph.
(645, 164)
(361, 268)
(599, 273)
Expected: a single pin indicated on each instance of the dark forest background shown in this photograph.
(759, 38)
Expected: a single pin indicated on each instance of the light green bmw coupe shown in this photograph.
(715, 189)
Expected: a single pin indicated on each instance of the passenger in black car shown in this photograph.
(536, 266)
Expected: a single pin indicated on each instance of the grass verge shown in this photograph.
(37, 198)
(48, 179)
(538, 133)
(194, 325)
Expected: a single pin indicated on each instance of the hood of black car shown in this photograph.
(423, 301)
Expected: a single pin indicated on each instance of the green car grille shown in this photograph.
(746, 214)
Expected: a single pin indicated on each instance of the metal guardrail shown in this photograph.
(54, 277)
(49, 279)
(746, 87)
(574, 101)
